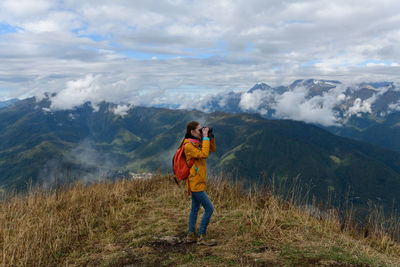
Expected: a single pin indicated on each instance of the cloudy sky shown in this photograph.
(149, 52)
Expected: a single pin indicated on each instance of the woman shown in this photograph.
(198, 145)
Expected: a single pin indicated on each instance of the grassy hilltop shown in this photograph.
(133, 222)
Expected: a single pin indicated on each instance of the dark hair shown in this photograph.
(189, 127)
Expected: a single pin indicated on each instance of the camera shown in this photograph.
(210, 132)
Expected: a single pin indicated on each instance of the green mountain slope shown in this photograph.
(382, 131)
(50, 147)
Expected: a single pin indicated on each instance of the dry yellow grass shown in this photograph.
(122, 223)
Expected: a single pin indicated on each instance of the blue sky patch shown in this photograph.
(7, 28)
(146, 56)
(249, 47)
(80, 32)
(309, 63)
(366, 62)
(95, 37)
(297, 21)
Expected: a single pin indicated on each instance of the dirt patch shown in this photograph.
(167, 245)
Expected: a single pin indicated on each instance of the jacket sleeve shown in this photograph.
(212, 145)
(194, 152)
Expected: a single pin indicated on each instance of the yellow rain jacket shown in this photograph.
(196, 181)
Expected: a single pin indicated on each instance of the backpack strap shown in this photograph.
(193, 159)
(190, 165)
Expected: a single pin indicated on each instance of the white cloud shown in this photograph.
(212, 46)
(296, 105)
(359, 107)
(252, 101)
(341, 97)
(25, 8)
(121, 110)
(394, 106)
(365, 106)
(375, 64)
(77, 93)
(42, 26)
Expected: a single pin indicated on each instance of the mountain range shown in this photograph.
(7, 103)
(50, 147)
(367, 112)
(329, 96)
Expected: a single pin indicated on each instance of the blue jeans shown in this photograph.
(197, 199)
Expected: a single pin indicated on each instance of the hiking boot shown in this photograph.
(191, 237)
(203, 240)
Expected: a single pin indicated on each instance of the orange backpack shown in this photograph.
(179, 165)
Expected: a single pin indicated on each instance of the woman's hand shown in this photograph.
(205, 131)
